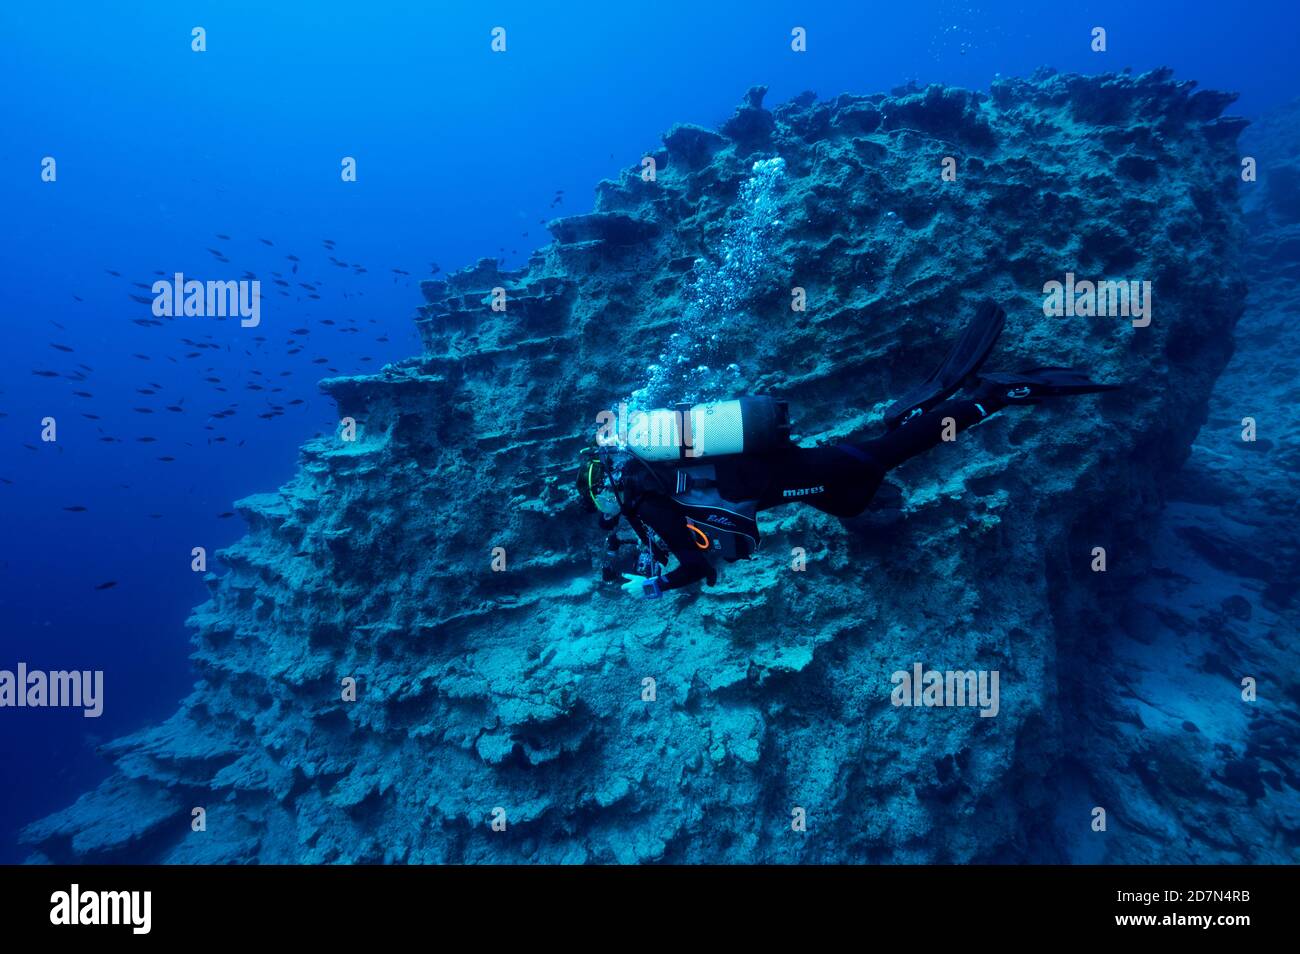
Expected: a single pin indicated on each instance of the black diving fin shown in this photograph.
(958, 367)
(1032, 384)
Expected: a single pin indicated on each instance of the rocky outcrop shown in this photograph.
(691, 729)
(1170, 737)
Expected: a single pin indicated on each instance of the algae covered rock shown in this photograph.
(409, 659)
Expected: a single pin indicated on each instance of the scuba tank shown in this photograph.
(684, 433)
(676, 444)
(684, 438)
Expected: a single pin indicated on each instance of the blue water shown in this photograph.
(461, 155)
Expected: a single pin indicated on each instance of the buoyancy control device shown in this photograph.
(726, 527)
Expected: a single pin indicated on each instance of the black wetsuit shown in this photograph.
(838, 479)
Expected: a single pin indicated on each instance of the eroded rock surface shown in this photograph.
(523, 690)
(1203, 775)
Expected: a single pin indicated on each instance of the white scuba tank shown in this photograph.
(716, 429)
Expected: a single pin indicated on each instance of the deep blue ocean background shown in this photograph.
(461, 155)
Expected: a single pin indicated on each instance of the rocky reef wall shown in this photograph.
(1164, 727)
(521, 694)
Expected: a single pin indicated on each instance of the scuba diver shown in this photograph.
(696, 494)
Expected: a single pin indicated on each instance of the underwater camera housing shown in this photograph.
(687, 432)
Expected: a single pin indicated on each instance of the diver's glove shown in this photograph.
(647, 586)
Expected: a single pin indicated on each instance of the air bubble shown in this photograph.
(715, 318)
